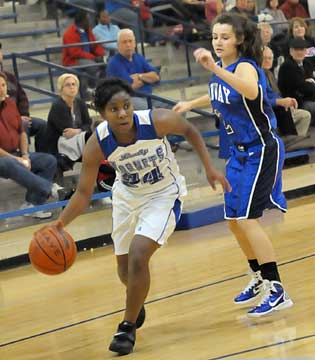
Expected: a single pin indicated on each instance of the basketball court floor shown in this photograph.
(190, 310)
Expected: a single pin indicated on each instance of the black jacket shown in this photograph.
(60, 118)
(291, 80)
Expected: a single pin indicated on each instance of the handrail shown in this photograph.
(80, 7)
(47, 206)
(8, 16)
(33, 32)
(74, 69)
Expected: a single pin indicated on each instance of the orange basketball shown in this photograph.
(52, 250)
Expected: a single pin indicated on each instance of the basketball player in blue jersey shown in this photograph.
(237, 91)
(147, 193)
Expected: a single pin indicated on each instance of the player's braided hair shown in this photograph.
(245, 31)
(106, 89)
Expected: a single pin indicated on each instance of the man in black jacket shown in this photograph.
(296, 77)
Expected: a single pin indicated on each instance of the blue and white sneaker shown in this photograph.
(252, 290)
(274, 298)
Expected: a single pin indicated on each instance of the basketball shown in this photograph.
(52, 250)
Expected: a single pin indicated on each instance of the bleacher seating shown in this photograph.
(8, 16)
(34, 32)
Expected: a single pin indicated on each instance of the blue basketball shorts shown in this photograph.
(255, 175)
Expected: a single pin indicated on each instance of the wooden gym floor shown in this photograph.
(190, 313)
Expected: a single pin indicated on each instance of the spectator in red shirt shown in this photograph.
(89, 54)
(34, 171)
(33, 126)
(146, 18)
(292, 8)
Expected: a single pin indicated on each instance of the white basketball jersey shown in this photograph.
(146, 166)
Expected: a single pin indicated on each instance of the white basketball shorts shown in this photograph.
(154, 216)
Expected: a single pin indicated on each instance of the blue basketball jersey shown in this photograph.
(146, 166)
(256, 159)
(245, 120)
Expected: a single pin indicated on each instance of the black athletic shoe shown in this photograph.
(140, 318)
(124, 339)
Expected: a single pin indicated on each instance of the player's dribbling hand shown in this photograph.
(217, 176)
(58, 224)
(205, 58)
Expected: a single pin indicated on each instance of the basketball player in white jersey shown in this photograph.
(147, 193)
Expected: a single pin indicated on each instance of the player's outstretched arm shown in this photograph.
(169, 122)
(184, 106)
(80, 200)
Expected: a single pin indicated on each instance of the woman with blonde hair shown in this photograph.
(69, 123)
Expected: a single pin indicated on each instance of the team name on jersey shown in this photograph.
(219, 93)
(141, 163)
(142, 152)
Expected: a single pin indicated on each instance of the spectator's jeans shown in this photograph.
(38, 130)
(37, 181)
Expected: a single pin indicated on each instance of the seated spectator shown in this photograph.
(89, 54)
(214, 8)
(147, 21)
(251, 7)
(196, 9)
(187, 10)
(69, 124)
(33, 126)
(272, 8)
(34, 171)
(266, 34)
(105, 30)
(132, 67)
(290, 119)
(124, 15)
(299, 29)
(245, 7)
(292, 8)
(296, 77)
